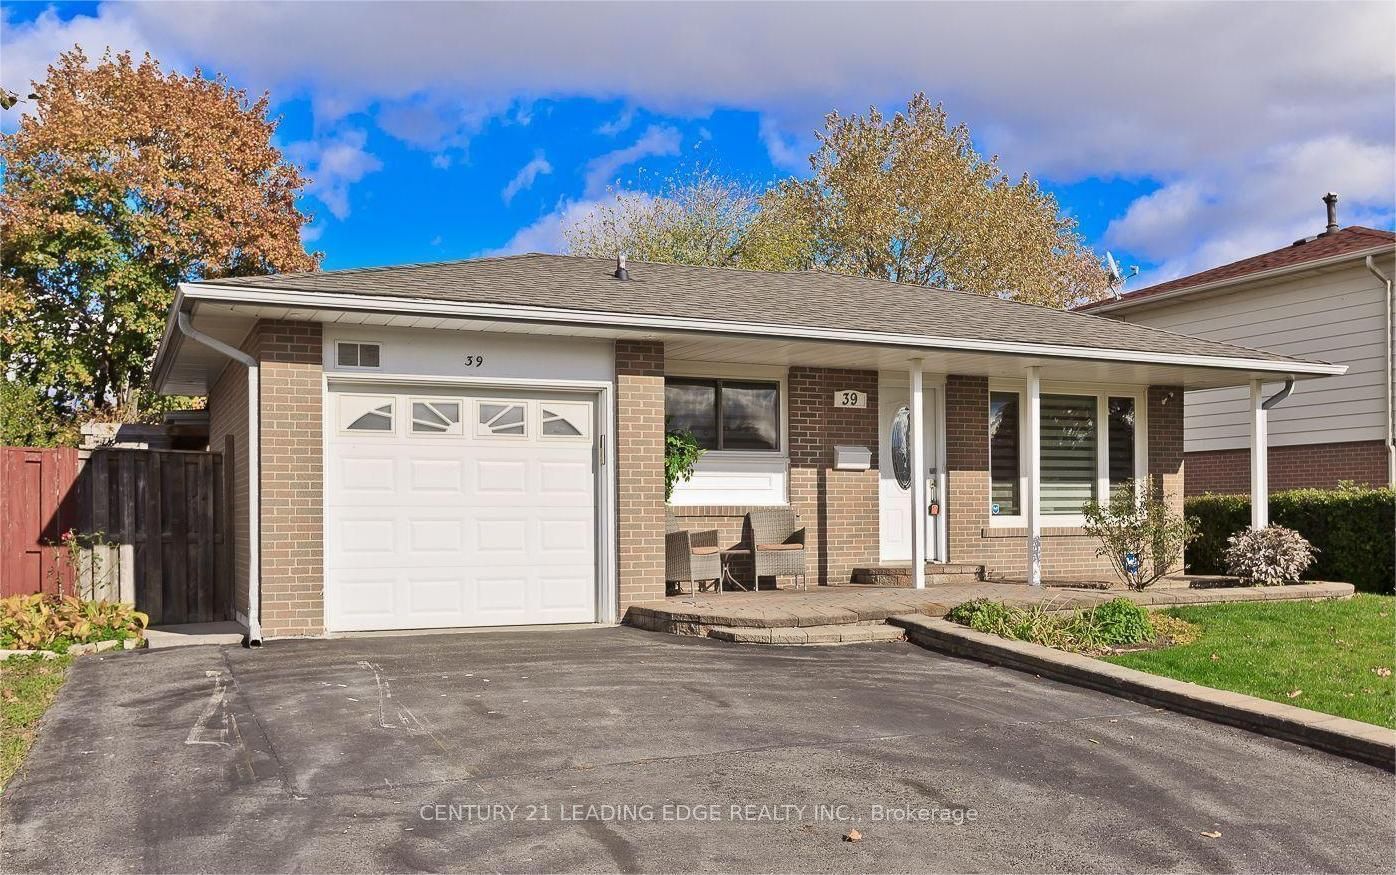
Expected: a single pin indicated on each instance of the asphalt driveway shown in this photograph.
(615, 749)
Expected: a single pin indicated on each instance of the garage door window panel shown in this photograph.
(366, 414)
(564, 421)
(506, 419)
(435, 416)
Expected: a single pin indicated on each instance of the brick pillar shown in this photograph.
(292, 483)
(1166, 443)
(838, 508)
(967, 463)
(640, 470)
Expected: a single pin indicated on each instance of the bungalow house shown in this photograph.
(1327, 296)
(481, 443)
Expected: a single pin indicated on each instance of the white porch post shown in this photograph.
(918, 477)
(1260, 474)
(1033, 498)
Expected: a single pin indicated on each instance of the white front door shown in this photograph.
(447, 507)
(894, 472)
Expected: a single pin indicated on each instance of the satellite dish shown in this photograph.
(1116, 278)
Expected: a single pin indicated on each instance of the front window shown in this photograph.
(724, 414)
(1078, 463)
(1121, 429)
(1004, 454)
(1068, 452)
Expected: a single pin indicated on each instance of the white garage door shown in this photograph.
(446, 509)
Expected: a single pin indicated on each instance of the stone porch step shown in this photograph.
(834, 634)
(900, 574)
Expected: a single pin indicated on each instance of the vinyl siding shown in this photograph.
(1334, 316)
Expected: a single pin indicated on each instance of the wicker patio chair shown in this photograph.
(694, 557)
(778, 543)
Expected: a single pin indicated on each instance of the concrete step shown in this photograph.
(788, 635)
(900, 575)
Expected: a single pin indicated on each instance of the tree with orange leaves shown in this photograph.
(123, 181)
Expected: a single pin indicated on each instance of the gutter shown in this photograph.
(1390, 379)
(555, 315)
(254, 476)
(1126, 302)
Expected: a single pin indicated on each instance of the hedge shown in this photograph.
(1354, 530)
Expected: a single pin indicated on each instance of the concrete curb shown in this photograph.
(1353, 739)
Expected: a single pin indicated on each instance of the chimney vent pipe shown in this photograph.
(621, 273)
(1331, 200)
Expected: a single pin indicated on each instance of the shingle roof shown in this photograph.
(799, 299)
(1355, 238)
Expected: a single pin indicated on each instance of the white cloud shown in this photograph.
(618, 125)
(656, 140)
(547, 233)
(1236, 210)
(785, 152)
(524, 179)
(333, 164)
(1206, 97)
(441, 161)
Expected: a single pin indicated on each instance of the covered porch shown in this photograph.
(905, 460)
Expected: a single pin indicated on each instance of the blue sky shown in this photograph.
(1178, 135)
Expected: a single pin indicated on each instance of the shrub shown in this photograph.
(45, 622)
(1353, 528)
(681, 453)
(1268, 556)
(1141, 535)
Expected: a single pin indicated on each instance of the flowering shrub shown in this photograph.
(1269, 556)
(45, 622)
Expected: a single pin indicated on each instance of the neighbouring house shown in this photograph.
(1327, 296)
(480, 443)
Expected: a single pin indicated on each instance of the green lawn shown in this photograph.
(27, 688)
(1339, 655)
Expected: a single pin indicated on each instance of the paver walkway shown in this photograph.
(847, 605)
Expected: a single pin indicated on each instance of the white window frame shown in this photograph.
(1102, 395)
(343, 428)
(481, 431)
(436, 399)
(369, 368)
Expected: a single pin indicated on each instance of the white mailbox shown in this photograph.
(852, 458)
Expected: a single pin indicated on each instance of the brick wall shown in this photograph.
(227, 418)
(1294, 467)
(1066, 551)
(838, 508)
(292, 478)
(640, 470)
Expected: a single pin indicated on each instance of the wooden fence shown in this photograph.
(148, 526)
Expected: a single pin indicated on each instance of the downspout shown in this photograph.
(1278, 398)
(1390, 380)
(254, 466)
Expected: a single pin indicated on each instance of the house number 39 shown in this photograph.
(474, 361)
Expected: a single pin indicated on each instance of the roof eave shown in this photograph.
(1128, 302)
(546, 315)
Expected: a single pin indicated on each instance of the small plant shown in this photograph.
(91, 575)
(1116, 623)
(1139, 533)
(46, 622)
(681, 453)
(1269, 556)
(1119, 621)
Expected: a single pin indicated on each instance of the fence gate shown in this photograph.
(150, 524)
(37, 505)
